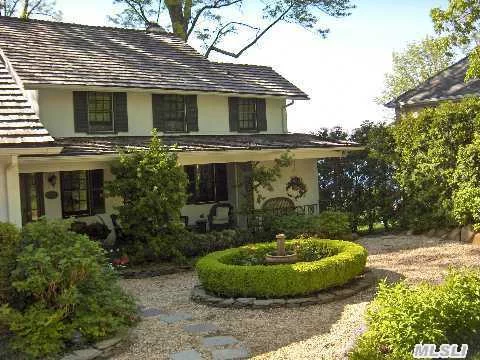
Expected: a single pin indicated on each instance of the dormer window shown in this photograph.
(100, 112)
(247, 114)
(173, 113)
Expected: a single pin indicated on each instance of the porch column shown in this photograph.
(13, 192)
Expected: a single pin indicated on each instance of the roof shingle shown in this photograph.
(55, 53)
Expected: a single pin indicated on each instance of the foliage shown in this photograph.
(459, 22)
(361, 183)
(27, 9)
(416, 63)
(328, 224)
(215, 22)
(9, 242)
(401, 316)
(153, 189)
(296, 187)
(218, 274)
(427, 146)
(95, 231)
(62, 285)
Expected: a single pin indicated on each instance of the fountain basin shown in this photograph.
(281, 259)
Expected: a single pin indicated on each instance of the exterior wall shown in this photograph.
(56, 113)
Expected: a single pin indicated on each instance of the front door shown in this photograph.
(31, 197)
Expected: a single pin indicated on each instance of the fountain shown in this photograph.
(281, 256)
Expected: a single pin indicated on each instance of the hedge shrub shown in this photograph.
(328, 224)
(9, 242)
(219, 275)
(402, 315)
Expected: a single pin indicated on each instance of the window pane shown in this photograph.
(247, 114)
(74, 193)
(173, 110)
(100, 114)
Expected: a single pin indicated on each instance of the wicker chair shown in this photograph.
(221, 216)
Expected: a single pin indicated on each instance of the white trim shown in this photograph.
(46, 150)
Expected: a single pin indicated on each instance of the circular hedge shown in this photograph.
(323, 264)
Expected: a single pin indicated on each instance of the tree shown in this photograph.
(460, 22)
(215, 21)
(412, 66)
(26, 9)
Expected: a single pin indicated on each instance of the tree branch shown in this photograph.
(212, 47)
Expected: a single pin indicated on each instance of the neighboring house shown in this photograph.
(448, 84)
(72, 95)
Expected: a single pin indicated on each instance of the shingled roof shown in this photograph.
(55, 53)
(448, 84)
(19, 125)
(111, 145)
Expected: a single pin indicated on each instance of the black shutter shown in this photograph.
(191, 112)
(97, 198)
(80, 111)
(190, 171)
(233, 113)
(158, 119)
(221, 187)
(261, 112)
(120, 112)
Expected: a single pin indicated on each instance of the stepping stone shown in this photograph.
(203, 328)
(150, 312)
(231, 354)
(173, 318)
(219, 341)
(186, 355)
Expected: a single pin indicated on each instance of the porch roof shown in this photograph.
(196, 143)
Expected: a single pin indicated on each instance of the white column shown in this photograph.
(13, 192)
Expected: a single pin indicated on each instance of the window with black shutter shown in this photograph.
(207, 183)
(82, 192)
(175, 113)
(247, 114)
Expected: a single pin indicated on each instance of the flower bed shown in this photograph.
(240, 271)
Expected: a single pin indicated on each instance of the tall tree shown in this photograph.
(416, 63)
(215, 21)
(26, 9)
(460, 22)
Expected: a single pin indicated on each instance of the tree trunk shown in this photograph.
(177, 17)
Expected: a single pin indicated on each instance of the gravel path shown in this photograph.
(316, 332)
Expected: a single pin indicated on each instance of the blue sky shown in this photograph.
(342, 74)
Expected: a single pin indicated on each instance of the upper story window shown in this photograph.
(175, 113)
(247, 114)
(100, 112)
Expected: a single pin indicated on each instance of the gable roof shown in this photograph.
(63, 54)
(19, 125)
(448, 84)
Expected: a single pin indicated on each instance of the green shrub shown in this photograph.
(64, 285)
(219, 274)
(9, 242)
(328, 224)
(401, 316)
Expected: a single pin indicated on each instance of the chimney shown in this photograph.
(154, 28)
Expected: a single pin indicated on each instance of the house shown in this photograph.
(448, 84)
(72, 95)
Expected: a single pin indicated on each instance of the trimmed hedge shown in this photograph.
(218, 274)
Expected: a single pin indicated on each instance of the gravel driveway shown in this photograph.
(315, 332)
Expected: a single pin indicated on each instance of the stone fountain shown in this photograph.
(281, 256)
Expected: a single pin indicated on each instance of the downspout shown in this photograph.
(284, 116)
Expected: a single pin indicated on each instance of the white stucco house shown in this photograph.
(72, 95)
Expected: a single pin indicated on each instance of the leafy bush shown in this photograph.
(328, 224)
(402, 316)
(95, 231)
(63, 285)
(9, 242)
(218, 274)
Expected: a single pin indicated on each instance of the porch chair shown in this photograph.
(221, 216)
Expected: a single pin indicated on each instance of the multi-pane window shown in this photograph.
(100, 112)
(173, 108)
(82, 193)
(207, 183)
(247, 114)
(31, 197)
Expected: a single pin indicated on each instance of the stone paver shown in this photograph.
(86, 354)
(150, 312)
(230, 354)
(173, 318)
(214, 341)
(202, 328)
(186, 355)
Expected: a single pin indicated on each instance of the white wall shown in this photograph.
(56, 113)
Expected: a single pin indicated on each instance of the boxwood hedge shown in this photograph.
(219, 275)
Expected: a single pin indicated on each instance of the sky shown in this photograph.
(342, 74)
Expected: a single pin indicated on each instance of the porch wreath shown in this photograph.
(296, 188)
